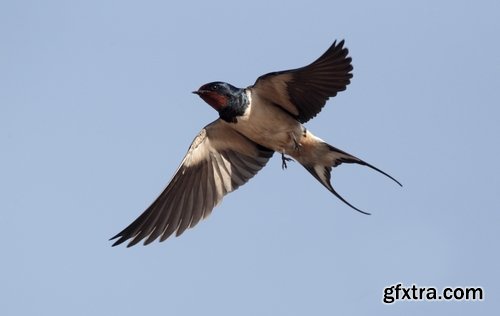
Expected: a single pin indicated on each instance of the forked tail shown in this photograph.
(332, 157)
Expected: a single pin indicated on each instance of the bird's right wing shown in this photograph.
(218, 161)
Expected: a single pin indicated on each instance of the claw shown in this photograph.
(284, 160)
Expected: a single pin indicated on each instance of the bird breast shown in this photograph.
(268, 125)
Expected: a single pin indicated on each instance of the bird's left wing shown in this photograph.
(218, 161)
(304, 91)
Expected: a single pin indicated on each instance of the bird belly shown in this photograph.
(271, 127)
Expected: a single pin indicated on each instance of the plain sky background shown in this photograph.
(96, 113)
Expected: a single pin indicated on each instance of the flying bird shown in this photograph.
(253, 123)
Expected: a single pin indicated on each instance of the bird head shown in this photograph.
(217, 94)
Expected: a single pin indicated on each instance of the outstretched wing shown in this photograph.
(218, 162)
(304, 91)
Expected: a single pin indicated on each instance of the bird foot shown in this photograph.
(284, 160)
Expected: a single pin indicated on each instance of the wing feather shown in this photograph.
(218, 161)
(303, 92)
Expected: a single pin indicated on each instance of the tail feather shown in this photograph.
(325, 180)
(348, 158)
(333, 157)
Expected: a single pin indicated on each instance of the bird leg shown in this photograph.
(296, 147)
(296, 144)
(284, 160)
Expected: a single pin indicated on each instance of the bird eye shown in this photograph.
(215, 87)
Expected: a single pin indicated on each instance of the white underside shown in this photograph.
(268, 125)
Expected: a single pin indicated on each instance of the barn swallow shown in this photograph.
(253, 123)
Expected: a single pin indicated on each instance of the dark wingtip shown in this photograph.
(117, 242)
(121, 239)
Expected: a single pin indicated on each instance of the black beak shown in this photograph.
(201, 92)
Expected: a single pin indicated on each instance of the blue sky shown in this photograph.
(96, 113)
